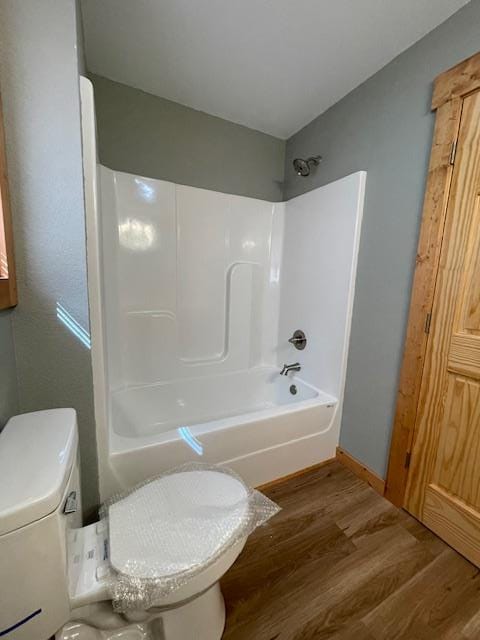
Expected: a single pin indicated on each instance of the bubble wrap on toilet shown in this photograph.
(166, 531)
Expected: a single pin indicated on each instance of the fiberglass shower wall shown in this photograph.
(191, 280)
(320, 248)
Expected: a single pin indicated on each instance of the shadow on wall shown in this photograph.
(197, 149)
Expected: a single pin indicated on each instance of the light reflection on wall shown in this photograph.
(248, 245)
(188, 437)
(275, 274)
(136, 235)
(145, 191)
(73, 326)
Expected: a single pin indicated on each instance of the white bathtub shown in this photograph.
(235, 419)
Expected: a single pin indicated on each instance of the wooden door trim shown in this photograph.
(457, 82)
(450, 88)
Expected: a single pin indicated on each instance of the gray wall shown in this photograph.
(143, 134)
(384, 126)
(8, 374)
(39, 82)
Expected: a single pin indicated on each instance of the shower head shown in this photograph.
(303, 167)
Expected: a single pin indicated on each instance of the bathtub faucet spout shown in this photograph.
(290, 367)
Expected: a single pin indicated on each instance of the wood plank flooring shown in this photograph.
(341, 562)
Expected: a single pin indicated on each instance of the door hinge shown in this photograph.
(453, 152)
(408, 457)
(428, 322)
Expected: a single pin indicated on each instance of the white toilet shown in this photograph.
(56, 577)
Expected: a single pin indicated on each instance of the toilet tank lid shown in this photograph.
(37, 453)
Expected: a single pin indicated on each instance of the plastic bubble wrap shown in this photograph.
(169, 529)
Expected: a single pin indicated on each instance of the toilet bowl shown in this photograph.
(194, 611)
(149, 569)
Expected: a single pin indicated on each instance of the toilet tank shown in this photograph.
(39, 501)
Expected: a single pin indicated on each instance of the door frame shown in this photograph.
(449, 90)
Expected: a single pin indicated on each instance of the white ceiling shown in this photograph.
(272, 65)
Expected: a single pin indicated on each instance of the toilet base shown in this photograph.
(202, 618)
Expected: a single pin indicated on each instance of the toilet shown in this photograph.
(58, 578)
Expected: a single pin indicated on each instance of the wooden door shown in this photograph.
(443, 488)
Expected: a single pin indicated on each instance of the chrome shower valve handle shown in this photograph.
(299, 340)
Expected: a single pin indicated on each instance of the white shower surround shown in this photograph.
(193, 296)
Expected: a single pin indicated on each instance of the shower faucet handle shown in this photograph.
(299, 340)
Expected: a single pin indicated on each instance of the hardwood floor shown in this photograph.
(341, 562)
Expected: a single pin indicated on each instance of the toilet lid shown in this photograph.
(176, 522)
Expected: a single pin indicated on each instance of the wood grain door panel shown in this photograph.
(454, 521)
(458, 456)
(464, 355)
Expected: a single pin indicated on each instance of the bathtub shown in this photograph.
(235, 419)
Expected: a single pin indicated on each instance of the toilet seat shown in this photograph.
(176, 524)
(182, 531)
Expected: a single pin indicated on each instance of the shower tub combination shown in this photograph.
(194, 296)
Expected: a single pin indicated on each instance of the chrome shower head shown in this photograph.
(303, 167)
